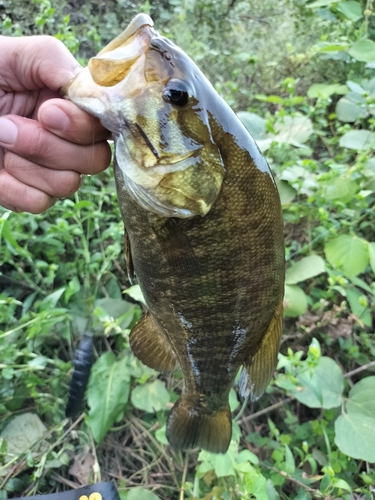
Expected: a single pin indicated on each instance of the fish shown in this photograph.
(203, 227)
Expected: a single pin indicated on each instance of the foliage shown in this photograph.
(300, 74)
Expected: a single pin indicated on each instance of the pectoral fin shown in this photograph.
(258, 370)
(177, 248)
(151, 346)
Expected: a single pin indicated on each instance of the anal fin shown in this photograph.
(258, 369)
(151, 346)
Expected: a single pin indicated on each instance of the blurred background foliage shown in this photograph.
(300, 74)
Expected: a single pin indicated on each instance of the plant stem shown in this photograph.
(266, 410)
(183, 479)
(359, 369)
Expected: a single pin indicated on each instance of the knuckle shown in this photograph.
(37, 145)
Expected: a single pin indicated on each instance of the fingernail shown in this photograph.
(54, 118)
(8, 131)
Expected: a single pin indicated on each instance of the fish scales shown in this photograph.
(203, 224)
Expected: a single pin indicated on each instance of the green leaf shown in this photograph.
(150, 397)
(135, 293)
(362, 311)
(254, 123)
(355, 436)
(21, 432)
(223, 464)
(233, 400)
(371, 249)
(351, 10)
(161, 435)
(141, 494)
(362, 397)
(7, 233)
(339, 188)
(347, 253)
(325, 91)
(287, 193)
(306, 268)
(322, 386)
(50, 302)
(295, 302)
(319, 3)
(84, 204)
(290, 465)
(108, 392)
(351, 107)
(363, 51)
(358, 140)
(293, 130)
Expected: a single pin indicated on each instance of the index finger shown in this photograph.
(68, 121)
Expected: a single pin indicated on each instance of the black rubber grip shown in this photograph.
(98, 491)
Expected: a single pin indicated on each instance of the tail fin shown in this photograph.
(190, 424)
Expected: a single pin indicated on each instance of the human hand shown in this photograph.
(45, 142)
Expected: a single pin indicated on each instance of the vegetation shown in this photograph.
(301, 76)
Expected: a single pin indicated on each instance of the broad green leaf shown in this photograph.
(363, 51)
(295, 302)
(319, 3)
(322, 386)
(22, 432)
(351, 10)
(351, 107)
(233, 400)
(84, 204)
(108, 393)
(150, 397)
(306, 268)
(290, 465)
(371, 249)
(358, 140)
(135, 293)
(141, 494)
(293, 130)
(331, 47)
(340, 483)
(339, 188)
(7, 233)
(355, 436)
(325, 91)
(362, 311)
(161, 435)
(362, 397)
(287, 193)
(355, 87)
(347, 253)
(254, 123)
(52, 299)
(116, 309)
(224, 464)
(73, 287)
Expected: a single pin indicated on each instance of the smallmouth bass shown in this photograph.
(203, 225)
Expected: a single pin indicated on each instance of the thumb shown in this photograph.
(35, 62)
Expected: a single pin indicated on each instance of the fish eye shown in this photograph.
(176, 92)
